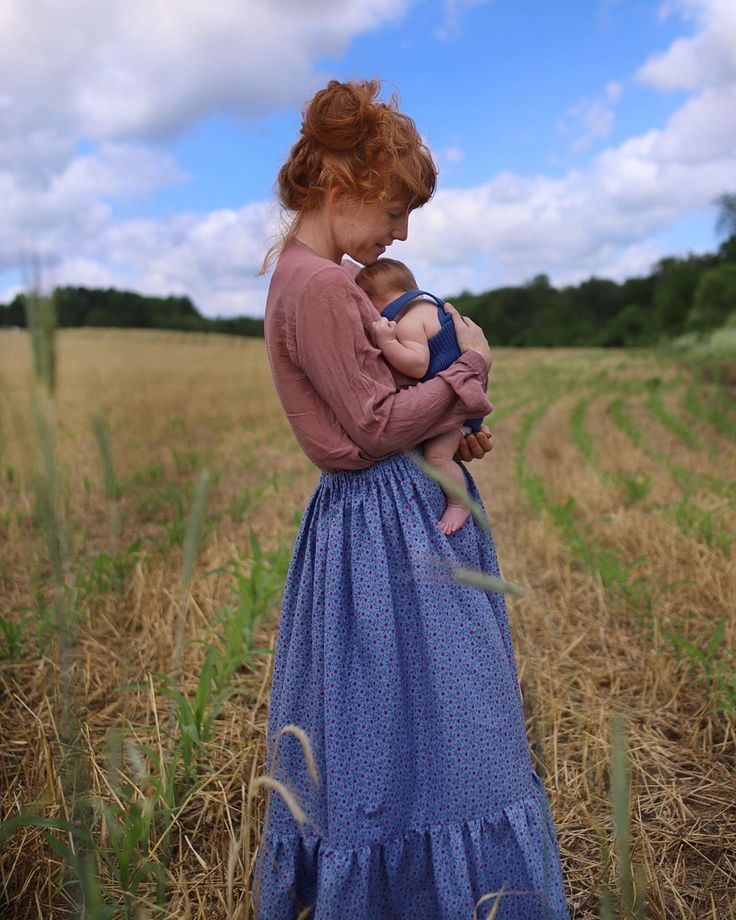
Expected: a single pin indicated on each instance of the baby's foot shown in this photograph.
(456, 514)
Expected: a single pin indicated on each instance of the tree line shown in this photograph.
(693, 294)
(696, 294)
(80, 306)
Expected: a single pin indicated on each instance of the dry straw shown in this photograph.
(584, 650)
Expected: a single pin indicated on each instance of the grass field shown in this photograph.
(136, 633)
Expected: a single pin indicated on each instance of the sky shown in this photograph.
(140, 140)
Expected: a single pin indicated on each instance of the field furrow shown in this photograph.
(136, 633)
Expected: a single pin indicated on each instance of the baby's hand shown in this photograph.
(384, 331)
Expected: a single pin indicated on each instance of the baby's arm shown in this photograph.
(404, 344)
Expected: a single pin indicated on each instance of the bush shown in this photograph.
(714, 300)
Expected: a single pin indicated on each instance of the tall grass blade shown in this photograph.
(470, 577)
(486, 582)
(452, 489)
(73, 770)
(620, 809)
(102, 434)
(112, 488)
(191, 544)
(41, 322)
(303, 739)
(194, 528)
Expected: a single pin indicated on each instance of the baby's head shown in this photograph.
(385, 280)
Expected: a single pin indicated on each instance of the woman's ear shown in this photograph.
(339, 198)
(335, 196)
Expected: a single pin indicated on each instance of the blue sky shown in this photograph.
(574, 138)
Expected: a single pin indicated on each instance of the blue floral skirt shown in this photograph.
(405, 682)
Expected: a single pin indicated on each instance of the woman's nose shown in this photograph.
(401, 231)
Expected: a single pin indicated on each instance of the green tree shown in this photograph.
(726, 220)
(726, 226)
(676, 281)
(714, 300)
(598, 299)
(631, 326)
(15, 312)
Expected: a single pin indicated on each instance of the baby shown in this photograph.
(419, 340)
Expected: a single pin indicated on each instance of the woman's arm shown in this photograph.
(350, 375)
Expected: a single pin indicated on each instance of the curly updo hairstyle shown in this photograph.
(351, 139)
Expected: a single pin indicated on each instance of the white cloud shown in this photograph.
(132, 68)
(601, 219)
(214, 258)
(113, 78)
(119, 171)
(591, 119)
(703, 129)
(153, 73)
(78, 271)
(705, 59)
(56, 213)
(604, 218)
(451, 155)
(454, 13)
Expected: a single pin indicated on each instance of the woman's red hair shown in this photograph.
(352, 140)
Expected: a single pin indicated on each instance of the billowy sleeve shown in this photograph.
(351, 376)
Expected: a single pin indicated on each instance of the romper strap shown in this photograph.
(391, 310)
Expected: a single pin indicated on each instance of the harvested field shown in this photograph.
(133, 697)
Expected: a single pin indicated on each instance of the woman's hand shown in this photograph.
(470, 335)
(474, 446)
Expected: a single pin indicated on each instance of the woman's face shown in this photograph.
(364, 230)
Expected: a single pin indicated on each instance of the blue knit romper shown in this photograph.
(443, 347)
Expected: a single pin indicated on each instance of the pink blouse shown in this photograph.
(339, 394)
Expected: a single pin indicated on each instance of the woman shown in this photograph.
(403, 679)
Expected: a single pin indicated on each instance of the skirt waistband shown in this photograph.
(402, 461)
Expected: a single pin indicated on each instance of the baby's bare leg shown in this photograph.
(438, 452)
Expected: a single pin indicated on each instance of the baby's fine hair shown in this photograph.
(385, 276)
